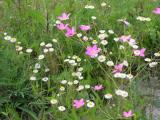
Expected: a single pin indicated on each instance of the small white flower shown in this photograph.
(70, 83)
(116, 39)
(45, 50)
(71, 61)
(40, 57)
(147, 60)
(90, 104)
(75, 82)
(103, 4)
(35, 71)
(157, 54)
(93, 18)
(104, 42)
(48, 45)
(45, 79)
(94, 42)
(62, 88)
(80, 87)
(152, 64)
(53, 101)
(79, 35)
(80, 69)
(110, 63)
(33, 78)
(42, 44)
(110, 31)
(37, 66)
(54, 40)
(61, 108)
(29, 50)
(124, 94)
(102, 36)
(108, 96)
(13, 40)
(7, 37)
(58, 21)
(5, 33)
(135, 46)
(64, 82)
(87, 86)
(51, 49)
(85, 38)
(101, 58)
(47, 70)
(125, 63)
(121, 93)
(129, 76)
(120, 75)
(121, 47)
(102, 31)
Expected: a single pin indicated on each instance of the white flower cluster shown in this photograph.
(47, 47)
(122, 93)
(143, 19)
(89, 7)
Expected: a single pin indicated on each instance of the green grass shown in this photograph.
(32, 22)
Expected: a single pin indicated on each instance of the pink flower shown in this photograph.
(98, 87)
(125, 38)
(64, 16)
(85, 27)
(92, 51)
(128, 114)
(62, 26)
(157, 11)
(118, 68)
(139, 52)
(78, 103)
(70, 32)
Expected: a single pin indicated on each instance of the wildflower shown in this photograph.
(129, 76)
(92, 51)
(121, 47)
(85, 38)
(101, 58)
(87, 86)
(70, 83)
(33, 78)
(110, 31)
(104, 42)
(139, 52)
(53, 101)
(64, 16)
(85, 27)
(157, 54)
(125, 63)
(103, 4)
(116, 39)
(29, 50)
(75, 82)
(102, 36)
(124, 21)
(64, 82)
(93, 18)
(37, 66)
(62, 88)
(78, 103)
(90, 104)
(45, 79)
(125, 38)
(46, 70)
(122, 93)
(70, 32)
(152, 64)
(101, 31)
(35, 71)
(80, 69)
(128, 114)
(108, 96)
(118, 68)
(13, 40)
(140, 18)
(45, 50)
(62, 26)
(94, 42)
(40, 57)
(120, 75)
(157, 11)
(89, 7)
(110, 63)
(79, 35)
(98, 87)
(48, 45)
(42, 44)
(61, 108)
(54, 40)
(51, 49)
(7, 37)
(147, 59)
(80, 87)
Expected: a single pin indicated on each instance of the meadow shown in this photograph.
(78, 59)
